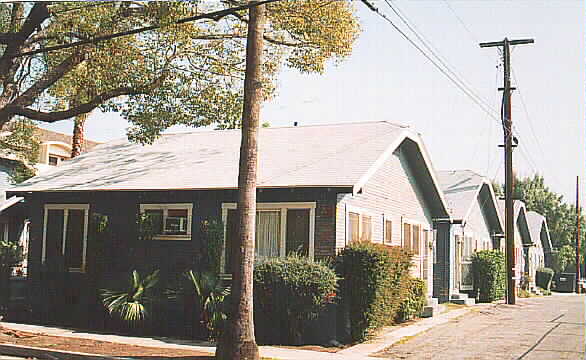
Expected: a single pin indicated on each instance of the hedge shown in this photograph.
(288, 291)
(413, 301)
(373, 283)
(543, 278)
(489, 272)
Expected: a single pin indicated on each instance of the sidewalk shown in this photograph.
(356, 352)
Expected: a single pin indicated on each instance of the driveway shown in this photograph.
(537, 328)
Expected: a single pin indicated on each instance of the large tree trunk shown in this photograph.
(237, 341)
(78, 134)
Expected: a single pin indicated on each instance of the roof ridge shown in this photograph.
(293, 127)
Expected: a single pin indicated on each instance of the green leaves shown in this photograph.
(488, 269)
(132, 305)
(190, 74)
(11, 254)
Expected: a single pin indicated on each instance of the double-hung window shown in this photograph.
(416, 239)
(281, 229)
(359, 226)
(169, 221)
(65, 235)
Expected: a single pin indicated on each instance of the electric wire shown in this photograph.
(472, 96)
(470, 33)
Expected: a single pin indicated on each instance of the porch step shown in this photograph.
(432, 308)
(459, 296)
(462, 299)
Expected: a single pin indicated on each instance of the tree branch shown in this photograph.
(29, 96)
(215, 16)
(67, 114)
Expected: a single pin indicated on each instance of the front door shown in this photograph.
(466, 278)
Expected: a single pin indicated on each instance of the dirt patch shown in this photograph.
(8, 336)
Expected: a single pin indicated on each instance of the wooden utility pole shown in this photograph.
(508, 137)
(578, 234)
(238, 341)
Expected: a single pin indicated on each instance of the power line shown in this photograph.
(470, 33)
(472, 96)
(216, 15)
(432, 49)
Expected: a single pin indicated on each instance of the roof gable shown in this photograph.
(537, 224)
(463, 188)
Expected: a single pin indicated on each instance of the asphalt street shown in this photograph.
(544, 328)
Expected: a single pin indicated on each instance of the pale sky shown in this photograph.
(388, 79)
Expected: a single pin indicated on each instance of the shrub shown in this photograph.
(488, 269)
(213, 238)
(132, 305)
(543, 278)
(374, 277)
(211, 296)
(414, 299)
(289, 290)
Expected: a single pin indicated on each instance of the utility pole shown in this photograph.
(577, 234)
(508, 137)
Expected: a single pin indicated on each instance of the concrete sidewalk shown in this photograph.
(387, 338)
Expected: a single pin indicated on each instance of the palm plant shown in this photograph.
(133, 304)
(210, 295)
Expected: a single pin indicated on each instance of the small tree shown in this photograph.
(489, 272)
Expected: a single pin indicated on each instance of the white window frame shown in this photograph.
(66, 208)
(275, 206)
(361, 212)
(166, 208)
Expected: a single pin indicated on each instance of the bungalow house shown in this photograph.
(319, 189)
(522, 237)
(535, 254)
(54, 147)
(476, 225)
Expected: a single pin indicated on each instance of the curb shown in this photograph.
(41, 353)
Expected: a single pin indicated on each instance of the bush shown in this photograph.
(488, 269)
(413, 301)
(543, 278)
(374, 278)
(288, 291)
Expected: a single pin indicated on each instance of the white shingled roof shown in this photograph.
(460, 189)
(339, 155)
(535, 221)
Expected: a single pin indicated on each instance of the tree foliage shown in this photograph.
(561, 216)
(188, 74)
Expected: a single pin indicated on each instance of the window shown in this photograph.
(359, 226)
(268, 233)
(281, 229)
(416, 241)
(354, 226)
(53, 160)
(388, 232)
(65, 235)
(407, 236)
(169, 221)
(366, 229)
(415, 238)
